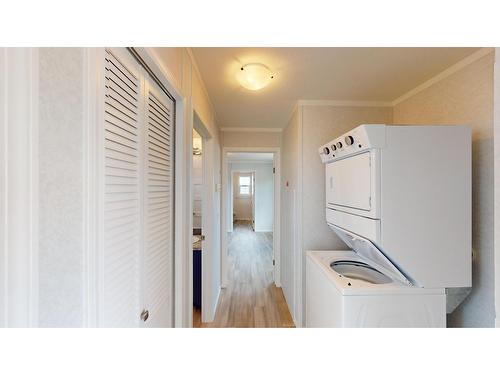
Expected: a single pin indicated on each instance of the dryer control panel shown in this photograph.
(361, 138)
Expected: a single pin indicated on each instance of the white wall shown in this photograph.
(61, 261)
(264, 193)
(466, 97)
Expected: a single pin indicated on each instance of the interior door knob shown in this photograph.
(144, 315)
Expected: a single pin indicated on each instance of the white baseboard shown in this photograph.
(214, 307)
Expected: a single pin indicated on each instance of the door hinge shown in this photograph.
(273, 262)
(274, 170)
(144, 315)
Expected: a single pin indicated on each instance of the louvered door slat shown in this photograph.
(158, 104)
(115, 117)
(121, 131)
(118, 70)
(120, 302)
(158, 244)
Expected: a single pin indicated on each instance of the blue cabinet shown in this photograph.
(197, 279)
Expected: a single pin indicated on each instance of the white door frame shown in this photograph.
(277, 201)
(19, 187)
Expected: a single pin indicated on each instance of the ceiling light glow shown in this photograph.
(254, 76)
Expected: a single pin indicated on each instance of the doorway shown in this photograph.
(198, 234)
(251, 294)
(243, 196)
(205, 225)
(260, 182)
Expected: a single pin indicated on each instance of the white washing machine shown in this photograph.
(400, 198)
(344, 290)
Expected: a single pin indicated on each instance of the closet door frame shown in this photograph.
(94, 93)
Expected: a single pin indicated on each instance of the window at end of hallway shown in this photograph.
(245, 185)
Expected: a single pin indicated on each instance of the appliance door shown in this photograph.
(349, 183)
(370, 253)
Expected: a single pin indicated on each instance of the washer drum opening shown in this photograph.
(359, 271)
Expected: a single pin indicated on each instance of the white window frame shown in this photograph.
(250, 185)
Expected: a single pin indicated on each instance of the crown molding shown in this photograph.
(444, 74)
(344, 103)
(243, 161)
(251, 130)
(194, 65)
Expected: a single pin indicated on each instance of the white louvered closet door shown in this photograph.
(158, 195)
(120, 258)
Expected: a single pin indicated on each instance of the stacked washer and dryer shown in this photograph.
(400, 198)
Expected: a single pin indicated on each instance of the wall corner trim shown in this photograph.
(196, 68)
(444, 74)
(250, 130)
(344, 103)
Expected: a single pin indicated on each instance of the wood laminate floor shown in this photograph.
(251, 299)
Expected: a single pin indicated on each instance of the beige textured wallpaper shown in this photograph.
(61, 264)
(251, 139)
(466, 97)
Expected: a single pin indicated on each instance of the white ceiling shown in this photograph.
(249, 156)
(357, 74)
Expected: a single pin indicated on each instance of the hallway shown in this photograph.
(251, 299)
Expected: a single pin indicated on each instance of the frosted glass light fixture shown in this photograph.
(254, 76)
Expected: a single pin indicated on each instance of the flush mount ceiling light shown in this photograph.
(254, 76)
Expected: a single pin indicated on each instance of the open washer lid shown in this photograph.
(371, 254)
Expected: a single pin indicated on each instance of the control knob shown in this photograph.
(349, 140)
(326, 150)
(339, 144)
